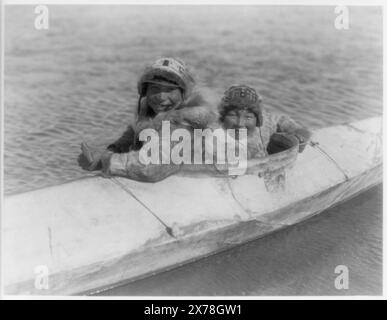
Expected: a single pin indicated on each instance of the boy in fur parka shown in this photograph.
(166, 93)
(241, 107)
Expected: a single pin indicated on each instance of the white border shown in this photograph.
(187, 2)
(201, 2)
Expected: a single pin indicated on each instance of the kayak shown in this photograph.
(95, 233)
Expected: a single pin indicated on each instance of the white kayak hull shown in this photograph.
(90, 234)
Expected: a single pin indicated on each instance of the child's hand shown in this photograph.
(90, 158)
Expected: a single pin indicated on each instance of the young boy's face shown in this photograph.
(240, 119)
(162, 98)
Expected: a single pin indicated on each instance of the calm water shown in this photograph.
(77, 81)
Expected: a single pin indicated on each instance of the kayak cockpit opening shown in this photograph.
(281, 153)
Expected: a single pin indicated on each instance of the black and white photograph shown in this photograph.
(193, 150)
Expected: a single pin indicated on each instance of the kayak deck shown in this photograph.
(94, 232)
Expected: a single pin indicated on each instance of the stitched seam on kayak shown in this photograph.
(124, 188)
(322, 151)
